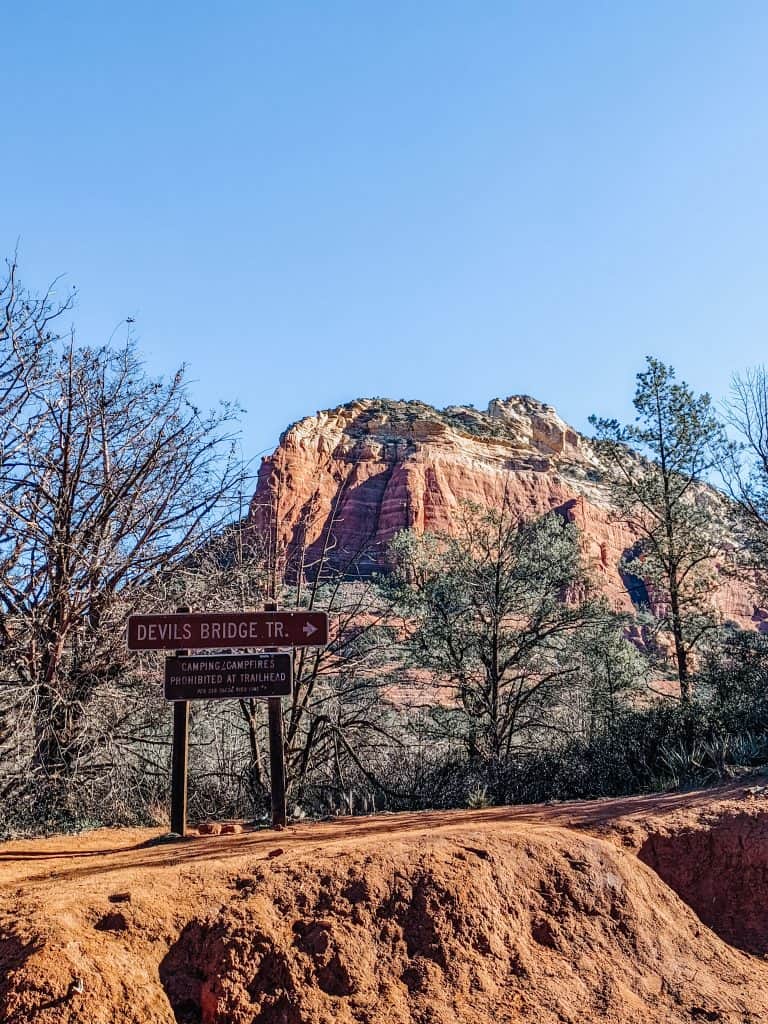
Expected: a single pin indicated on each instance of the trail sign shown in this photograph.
(201, 631)
(228, 676)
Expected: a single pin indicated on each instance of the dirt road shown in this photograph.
(643, 909)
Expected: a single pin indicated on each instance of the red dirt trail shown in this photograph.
(651, 909)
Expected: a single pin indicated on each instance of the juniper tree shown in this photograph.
(491, 612)
(612, 674)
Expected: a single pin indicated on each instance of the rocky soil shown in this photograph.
(640, 910)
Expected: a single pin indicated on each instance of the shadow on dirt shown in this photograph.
(721, 871)
(210, 967)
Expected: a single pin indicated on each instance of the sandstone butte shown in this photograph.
(370, 468)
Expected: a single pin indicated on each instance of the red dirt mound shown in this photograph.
(720, 868)
(508, 915)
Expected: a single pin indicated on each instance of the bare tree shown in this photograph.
(746, 471)
(29, 329)
(29, 332)
(338, 727)
(115, 477)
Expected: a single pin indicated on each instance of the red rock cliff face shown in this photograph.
(356, 475)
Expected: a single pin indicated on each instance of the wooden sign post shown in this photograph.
(179, 761)
(276, 754)
(227, 676)
(179, 757)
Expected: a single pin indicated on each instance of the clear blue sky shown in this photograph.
(313, 202)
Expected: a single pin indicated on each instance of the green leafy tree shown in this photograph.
(491, 612)
(658, 466)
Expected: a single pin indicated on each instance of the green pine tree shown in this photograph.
(658, 467)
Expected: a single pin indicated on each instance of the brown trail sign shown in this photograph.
(189, 677)
(228, 677)
(208, 631)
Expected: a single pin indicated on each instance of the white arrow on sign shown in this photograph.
(309, 629)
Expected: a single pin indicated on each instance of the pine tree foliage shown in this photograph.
(658, 467)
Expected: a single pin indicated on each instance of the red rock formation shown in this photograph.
(360, 473)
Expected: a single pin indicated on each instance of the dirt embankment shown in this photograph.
(648, 910)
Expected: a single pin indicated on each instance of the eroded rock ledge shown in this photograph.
(372, 467)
